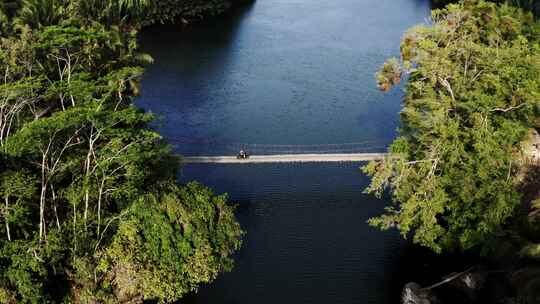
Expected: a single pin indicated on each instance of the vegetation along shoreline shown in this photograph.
(91, 210)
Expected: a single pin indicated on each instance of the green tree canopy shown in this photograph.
(90, 211)
(473, 94)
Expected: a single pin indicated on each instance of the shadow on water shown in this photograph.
(307, 239)
(181, 67)
(210, 41)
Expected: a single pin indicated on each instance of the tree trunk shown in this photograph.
(42, 200)
(100, 194)
(6, 218)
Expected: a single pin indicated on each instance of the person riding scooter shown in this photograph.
(242, 155)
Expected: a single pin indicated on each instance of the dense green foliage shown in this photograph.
(530, 5)
(166, 10)
(118, 12)
(90, 211)
(473, 96)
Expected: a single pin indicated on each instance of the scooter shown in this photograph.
(242, 155)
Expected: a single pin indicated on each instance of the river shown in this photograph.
(289, 72)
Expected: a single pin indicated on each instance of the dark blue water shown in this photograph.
(288, 72)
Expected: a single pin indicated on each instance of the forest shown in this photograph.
(91, 210)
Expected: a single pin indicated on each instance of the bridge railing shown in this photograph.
(197, 147)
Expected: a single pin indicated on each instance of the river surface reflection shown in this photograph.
(288, 72)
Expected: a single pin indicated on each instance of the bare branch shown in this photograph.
(504, 110)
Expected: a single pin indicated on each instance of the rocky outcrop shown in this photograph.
(413, 293)
(530, 148)
(528, 177)
(526, 282)
(468, 283)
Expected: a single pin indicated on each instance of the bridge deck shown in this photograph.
(285, 158)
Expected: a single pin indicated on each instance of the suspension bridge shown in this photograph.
(227, 153)
(285, 158)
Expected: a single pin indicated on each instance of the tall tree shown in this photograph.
(472, 96)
